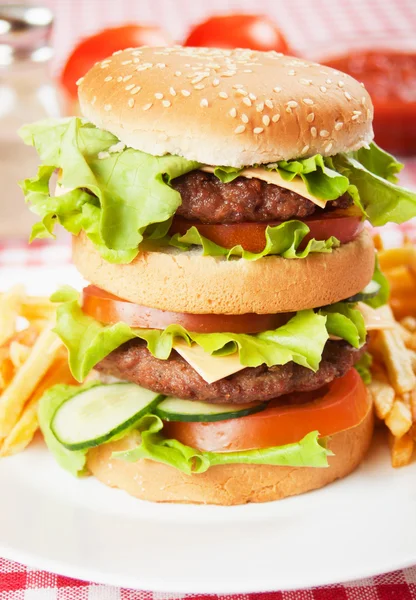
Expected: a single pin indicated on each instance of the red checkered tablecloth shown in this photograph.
(308, 25)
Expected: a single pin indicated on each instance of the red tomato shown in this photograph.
(251, 236)
(107, 308)
(238, 31)
(344, 404)
(102, 44)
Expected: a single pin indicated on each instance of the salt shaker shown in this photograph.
(27, 94)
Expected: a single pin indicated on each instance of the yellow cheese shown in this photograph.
(210, 368)
(274, 177)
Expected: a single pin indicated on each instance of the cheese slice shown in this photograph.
(274, 177)
(210, 368)
(376, 318)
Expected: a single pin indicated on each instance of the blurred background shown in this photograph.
(46, 46)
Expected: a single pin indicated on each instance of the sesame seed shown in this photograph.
(324, 133)
(266, 120)
(107, 107)
(129, 87)
(328, 147)
(356, 112)
(109, 78)
(368, 113)
(94, 100)
(247, 101)
(328, 81)
(252, 97)
(160, 65)
(291, 72)
(242, 92)
(339, 126)
(341, 84)
(81, 79)
(105, 65)
(223, 95)
(275, 118)
(119, 147)
(363, 100)
(172, 91)
(229, 73)
(237, 86)
(269, 103)
(127, 77)
(239, 129)
(313, 132)
(232, 112)
(102, 155)
(310, 117)
(185, 93)
(200, 86)
(277, 89)
(135, 90)
(247, 71)
(244, 118)
(126, 62)
(308, 101)
(305, 149)
(215, 82)
(203, 103)
(305, 81)
(131, 102)
(323, 89)
(348, 95)
(135, 53)
(355, 117)
(159, 95)
(258, 130)
(178, 73)
(147, 106)
(117, 52)
(292, 104)
(166, 103)
(119, 79)
(136, 60)
(260, 107)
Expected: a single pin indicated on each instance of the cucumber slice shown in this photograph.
(175, 409)
(370, 290)
(94, 416)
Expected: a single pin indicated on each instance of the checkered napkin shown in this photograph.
(21, 583)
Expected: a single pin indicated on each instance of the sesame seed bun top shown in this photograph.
(226, 107)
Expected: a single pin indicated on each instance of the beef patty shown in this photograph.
(206, 199)
(175, 377)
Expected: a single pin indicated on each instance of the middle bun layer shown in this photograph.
(189, 282)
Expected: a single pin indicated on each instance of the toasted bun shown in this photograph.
(226, 107)
(189, 282)
(228, 484)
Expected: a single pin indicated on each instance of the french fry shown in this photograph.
(409, 323)
(399, 419)
(382, 393)
(10, 305)
(37, 307)
(397, 257)
(397, 361)
(401, 449)
(18, 353)
(27, 379)
(22, 433)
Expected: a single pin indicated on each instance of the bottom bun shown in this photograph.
(228, 484)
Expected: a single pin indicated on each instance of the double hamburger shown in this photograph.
(217, 201)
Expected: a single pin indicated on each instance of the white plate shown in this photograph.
(361, 526)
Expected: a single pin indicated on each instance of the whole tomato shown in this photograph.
(102, 44)
(257, 32)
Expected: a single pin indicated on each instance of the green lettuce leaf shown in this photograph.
(52, 399)
(346, 322)
(371, 173)
(151, 444)
(129, 189)
(301, 340)
(363, 367)
(283, 240)
(309, 452)
(383, 295)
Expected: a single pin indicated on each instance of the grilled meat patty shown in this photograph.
(206, 199)
(175, 377)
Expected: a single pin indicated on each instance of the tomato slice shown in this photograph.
(239, 31)
(106, 308)
(343, 405)
(251, 236)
